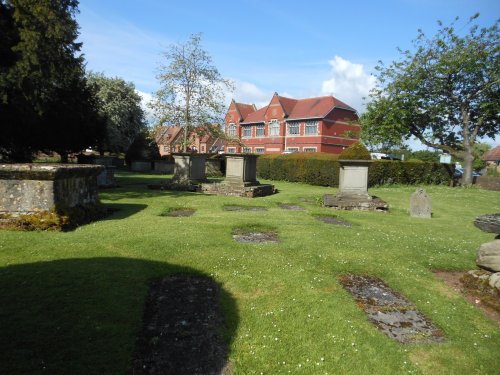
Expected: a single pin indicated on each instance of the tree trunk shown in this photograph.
(468, 159)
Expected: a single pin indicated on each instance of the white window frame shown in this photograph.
(231, 130)
(311, 127)
(246, 150)
(309, 149)
(292, 149)
(231, 150)
(274, 128)
(295, 126)
(260, 128)
(247, 131)
(259, 150)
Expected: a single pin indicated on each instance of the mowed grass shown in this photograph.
(71, 303)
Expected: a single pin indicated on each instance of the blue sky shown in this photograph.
(296, 48)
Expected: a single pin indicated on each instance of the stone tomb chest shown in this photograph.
(353, 189)
(241, 170)
(240, 179)
(29, 188)
(189, 168)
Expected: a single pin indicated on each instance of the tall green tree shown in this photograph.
(44, 102)
(192, 90)
(120, 106)
(445, 93)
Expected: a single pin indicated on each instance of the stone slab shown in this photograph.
(488, 223)
(355, 203)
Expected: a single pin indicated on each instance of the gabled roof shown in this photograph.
(492, 155)
(168, 134)
(297, 109)
(257, 116)
(316, 107)
(244, 109)
(288, 104)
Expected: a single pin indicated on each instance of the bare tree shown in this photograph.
(192, 91)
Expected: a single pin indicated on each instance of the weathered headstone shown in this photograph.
(488, 254)
(420, 204)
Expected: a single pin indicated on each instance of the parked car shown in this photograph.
(459, 171)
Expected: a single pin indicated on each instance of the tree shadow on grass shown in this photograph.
(141, 193)
(83, 316)
(123, 210)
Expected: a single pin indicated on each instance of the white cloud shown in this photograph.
(349, 82)
(145, 99)
(249, 93)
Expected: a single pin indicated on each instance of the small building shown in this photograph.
(492, 157)
(322, 124)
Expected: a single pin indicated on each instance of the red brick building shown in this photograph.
(323, 124)
(170, 139)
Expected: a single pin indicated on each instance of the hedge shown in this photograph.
(323, 169)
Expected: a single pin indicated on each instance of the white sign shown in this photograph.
(445, 159)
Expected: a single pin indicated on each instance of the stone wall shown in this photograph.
(489, 182)
(29, 188)
(164, 167)
(141, 166)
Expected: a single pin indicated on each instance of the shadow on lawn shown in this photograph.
(130, 192)
(123, 210)
(83, 316)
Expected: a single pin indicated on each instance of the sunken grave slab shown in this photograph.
(182, 327)
(243, 208)
(391, 312)
(251, 234)
(334, 221)
(291, 207)
(178, 212)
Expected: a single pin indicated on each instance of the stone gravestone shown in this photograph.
(420, 204)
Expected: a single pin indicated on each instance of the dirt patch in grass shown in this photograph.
(178, 212)
(255, 234)
(475, 290)
(334, 221)
(182, 327)
(391, 312)
(244, 208)
(291, 207)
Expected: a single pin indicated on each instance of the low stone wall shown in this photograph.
(30, 188)
(141, 166)
(489, 182)
(164, 167)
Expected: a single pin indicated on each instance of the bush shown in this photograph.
(323, 170)
(356, 151)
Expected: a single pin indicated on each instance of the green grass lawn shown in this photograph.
(71, 303)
